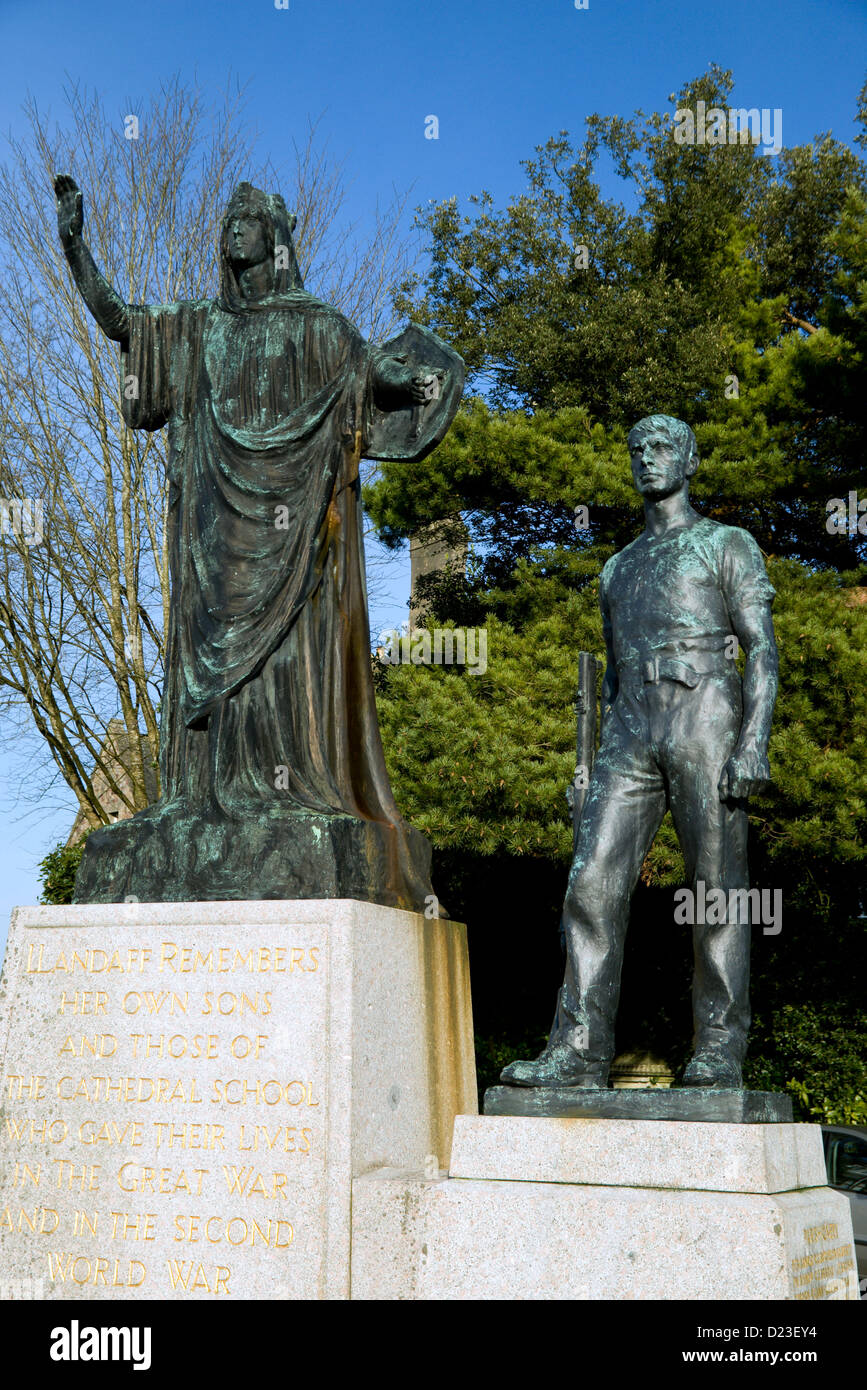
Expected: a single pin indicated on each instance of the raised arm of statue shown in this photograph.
(104, 303)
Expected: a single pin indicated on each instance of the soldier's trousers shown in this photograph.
(663, 746)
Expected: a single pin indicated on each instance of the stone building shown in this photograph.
(116, 754)
(442, 545)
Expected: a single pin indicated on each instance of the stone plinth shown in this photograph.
(189, 1089)
(765, 1158)
(173, 852)
(687, 1103)
(608, 1209)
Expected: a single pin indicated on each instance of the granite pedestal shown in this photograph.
(224, 1101)
(608, 1209)
(189, 1089)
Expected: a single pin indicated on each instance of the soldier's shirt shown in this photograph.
(677, 593)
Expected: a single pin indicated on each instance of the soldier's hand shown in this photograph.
(746, 772)
(70, 208)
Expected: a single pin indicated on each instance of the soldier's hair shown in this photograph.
(678, 432)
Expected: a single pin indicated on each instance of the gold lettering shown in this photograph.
(128, 1088)
(228, 1003)
(134, 1178)
(101, 1045)
(190, 1136)
(168, 952)
(87, 1176)
(84, 1001)
(92, 962)
(175, 1045)
(136, 1226)
(275, 1233)
(242, 1046)
(25, 1088)
(249, 1182)
(828, 1231)
(80, 1219)
(33, 1132)
(154, 1001)
(111, 1132)
(24, 1173)
(37, 1222)
(185, 1275)
(255, 1137)
(236, 1091)
(81, 1270)
(36, 969)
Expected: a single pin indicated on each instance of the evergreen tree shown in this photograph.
(733, 294)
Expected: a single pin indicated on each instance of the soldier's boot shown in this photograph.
(714, 1068)
(558, 1065)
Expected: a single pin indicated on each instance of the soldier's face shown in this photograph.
(658, 466)
(247, 245)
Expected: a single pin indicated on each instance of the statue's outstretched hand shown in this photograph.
(70, 209)
(746, 772)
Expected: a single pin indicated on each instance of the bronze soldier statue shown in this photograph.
(680, 731)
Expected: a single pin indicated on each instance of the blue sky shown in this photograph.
(500, 75)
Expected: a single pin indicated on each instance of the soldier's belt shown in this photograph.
(666, 668)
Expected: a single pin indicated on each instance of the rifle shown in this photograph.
(585, 739)
(585, 752)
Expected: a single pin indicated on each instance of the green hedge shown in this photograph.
(57, 872)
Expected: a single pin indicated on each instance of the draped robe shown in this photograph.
(268, 709)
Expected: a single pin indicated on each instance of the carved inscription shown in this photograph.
(826, 1269)
(175, 1147)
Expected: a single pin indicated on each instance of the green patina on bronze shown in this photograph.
(273, 777)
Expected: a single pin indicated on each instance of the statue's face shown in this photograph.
(659, 468)
(247, 244)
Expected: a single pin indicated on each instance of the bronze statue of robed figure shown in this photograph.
(274, 783)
